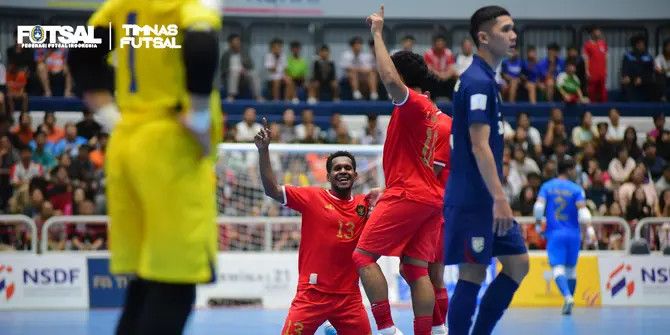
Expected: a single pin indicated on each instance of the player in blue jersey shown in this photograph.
(478, 218)
(566, 208)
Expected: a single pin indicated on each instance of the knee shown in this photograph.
(517, 268)
(473, 274)
(436, 274)
(412, 273)
(559, 270)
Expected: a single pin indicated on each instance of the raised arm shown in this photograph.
(270, 185)
(387, 71)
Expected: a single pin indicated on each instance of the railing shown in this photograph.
(13, 219)
(648, 221)
(87, 219)
(597, 220)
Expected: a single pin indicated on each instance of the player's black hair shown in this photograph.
(329, 161)
(295, 44)
(553, 46)
(439, 37)
(411, 67)
(482, 16)
(566, 165)
(232, 36)
(637, 38)
(409, 37)
(648, 144)
(531, 47)
(354, 40)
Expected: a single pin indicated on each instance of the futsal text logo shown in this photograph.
(156, 36)
(57, 37)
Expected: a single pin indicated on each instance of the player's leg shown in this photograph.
(376, 288)
(349, 316)
(572, 245)
(372, 83)
(165, 307)
(513, 88)
(423, 294)
(308, 311)
(436, 274)
(512, 254)
(532, 92)
(136, 292)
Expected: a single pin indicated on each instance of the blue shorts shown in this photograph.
(563, 248)
(469, 238)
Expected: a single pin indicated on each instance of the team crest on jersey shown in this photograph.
(361, 211)
(329, 206)
(477, 244)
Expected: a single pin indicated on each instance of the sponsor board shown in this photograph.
(635, 280)
(46, 281)
(105, 289)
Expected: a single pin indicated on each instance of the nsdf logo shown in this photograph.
(619, 280)
(655, 275)
(50, 276)
(7, 286)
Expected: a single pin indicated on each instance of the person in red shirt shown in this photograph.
(405, 222)
(332, 221)
(440, 61)
(595, 56)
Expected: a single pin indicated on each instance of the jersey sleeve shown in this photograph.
(414, 103)
(201, 14)
(298, 198)
(478, 100)
(105, 14)
(580, 195)
(443, 145)
(543, 193)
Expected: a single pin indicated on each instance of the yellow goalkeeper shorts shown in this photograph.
(161, 202)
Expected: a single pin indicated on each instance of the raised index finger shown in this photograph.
(381, 11)
(265, 122)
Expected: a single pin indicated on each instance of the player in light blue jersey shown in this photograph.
(565, 206)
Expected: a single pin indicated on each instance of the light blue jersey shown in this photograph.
(561, 198)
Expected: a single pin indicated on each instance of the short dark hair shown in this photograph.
(372, 117)
(482, 16)
(518, 116)
(276, 40)
(233, 36)
(566, 165)
(25, 148)
(553, 46)
(571, 62)
(295, 44)
(636, 39)
(439, 37)
(324, 47)
(648, 144)
(354, 40)
(659, 115)
(331, 157)
(411, 67)
(409, 37)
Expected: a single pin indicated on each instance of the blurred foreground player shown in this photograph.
(160, 179)
(332, 221)
(565, 206)
(406, 221)
(478, 219)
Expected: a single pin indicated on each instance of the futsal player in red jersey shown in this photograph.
(405, 222)
(332, 221)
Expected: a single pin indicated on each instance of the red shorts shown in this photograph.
(311, 308)
(439, 245)
(402, 227)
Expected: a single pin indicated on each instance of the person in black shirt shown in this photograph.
(324, 79)
(88, 127)
(637, 72)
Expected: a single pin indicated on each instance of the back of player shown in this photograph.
(160, 185)
(565, 209)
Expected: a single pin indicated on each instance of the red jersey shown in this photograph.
(409, 148)
(443, 147)
(330, 231)
(596, 53)
(439, 61)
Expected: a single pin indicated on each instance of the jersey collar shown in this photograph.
(484, 65)
(338, 199)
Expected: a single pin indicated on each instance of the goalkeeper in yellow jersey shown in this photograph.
(159, 168)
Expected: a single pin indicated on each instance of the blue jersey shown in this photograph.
(543, 67)
(531, 71)
(476, 100)
(512, 67)
(561, 197)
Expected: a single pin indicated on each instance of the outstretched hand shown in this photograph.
(376, 21)
(262, 139)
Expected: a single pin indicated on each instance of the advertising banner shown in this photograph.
(635, 280)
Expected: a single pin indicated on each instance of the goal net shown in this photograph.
(250, 221)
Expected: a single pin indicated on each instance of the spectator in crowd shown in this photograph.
(43, 151)
(88, 237)
(88, 127)
(659, 127)
(637, 72)
(560, 152)
(82, 169)
(358, 67)
(406, 44)
(630, 143)
(523, 206)
(599, 187)
(287, 132)
(663, 145)
(637, 181)
(508, 188)
(550, 67)
(323, 77)
(296, 72)
(464, 58)
(3, 86)
(17, 79)
(335, 123)
(97, 156)
(638, 208)
(53, 72)
(8, 157)
(531, 73)
(575, 57)
(569, 85)
(248, 127)
(372, 134)
(70, 143)
(440, 61)
(621, 167)
(24, 130)
(615, 129)
(25, 169)
(664, 236)
(652, 161)
(585, 132)
(511, 71)
(275, 65)
(521, 163)
(663, 182)
(59, 191)
(237, 70)
(556, 131)
(664, 204)
(549, 170)
(662, 66)
(523, 122)
(307, 127)
(606, 150)
(595, 57)
(49, 126)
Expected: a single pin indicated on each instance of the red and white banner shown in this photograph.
(635, 280)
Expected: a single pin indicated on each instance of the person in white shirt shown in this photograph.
(464, 58)
(663, 182)
(301, 130)
(615, 130)
(358, 66)
(275, 64)
(523, 121)
(621, 167)
(247, 129)
(662, 65)
(585, 132)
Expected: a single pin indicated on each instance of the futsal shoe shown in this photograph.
(397, 332)
(567, 306)
(439, 330)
